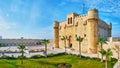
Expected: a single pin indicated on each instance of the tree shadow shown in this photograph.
(13, 64)
(43, 62)
(53, 64)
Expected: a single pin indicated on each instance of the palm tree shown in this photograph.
(100, 42)
(107, 55)
(21, 47)
(45, 41)
(64, 39)
(79, 39)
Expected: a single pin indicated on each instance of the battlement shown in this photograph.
(56, 24)
(110, 25)
(81, 16)
(93, 9)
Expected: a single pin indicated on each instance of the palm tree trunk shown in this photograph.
(22, 56)
(65, 46)
(118, 55)
(101, 54)
(80, 49)
(46, 50)
(97, 51)
(22, 61)
(106, 63)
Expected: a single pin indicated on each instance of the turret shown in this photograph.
(92, 29)
(56, 34)
(109, 29)
(93, 14)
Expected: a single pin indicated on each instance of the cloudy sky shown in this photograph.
(34, 18)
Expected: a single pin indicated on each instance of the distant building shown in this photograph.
(89, 26)
(0, 37)
(15, 42)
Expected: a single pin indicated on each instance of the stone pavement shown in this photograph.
(49, 51)
(117, 65)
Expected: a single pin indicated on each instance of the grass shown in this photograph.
(51, 62)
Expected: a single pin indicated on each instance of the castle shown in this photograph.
(89, 26)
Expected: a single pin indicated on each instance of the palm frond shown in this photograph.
(64, 38)
(21, 46)
(101, 41)
(102, 51)
(45, 41)
(80, 39)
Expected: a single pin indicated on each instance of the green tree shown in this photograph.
(79, 39)
(100, 42)
(1, 45)
(107, 55)
(45, 41)
(64, 39)
(22, 48)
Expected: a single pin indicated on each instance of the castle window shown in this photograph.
(84, 35)
(71, 20)
(68, 20)
(76, 35)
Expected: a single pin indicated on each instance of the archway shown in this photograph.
(69, 42)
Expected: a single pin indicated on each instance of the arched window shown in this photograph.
(68, 20)
(71, 20)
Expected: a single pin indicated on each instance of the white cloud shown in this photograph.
(5, 25)
(63, 3)
(115, 23)
(46, 32)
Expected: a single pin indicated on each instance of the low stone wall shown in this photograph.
(113, 39)
(111, 45)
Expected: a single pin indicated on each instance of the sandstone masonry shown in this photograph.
(89, 26)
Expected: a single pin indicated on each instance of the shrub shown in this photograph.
(64, 65)
(113, 61)
(21, 57)
(31, 51)
(58, 54)
(7, 57)
(97, 59)
(36, 56)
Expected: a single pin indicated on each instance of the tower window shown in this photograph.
(76, 35)
(71, 20)
(68, 20)
(84, 35)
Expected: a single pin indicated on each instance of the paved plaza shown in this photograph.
(38, 50)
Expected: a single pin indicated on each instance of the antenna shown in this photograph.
(83, 7)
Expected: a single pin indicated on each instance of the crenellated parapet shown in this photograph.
(93, 14)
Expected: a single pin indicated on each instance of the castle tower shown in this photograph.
(109, 29)
(56, 34)
(92, 29)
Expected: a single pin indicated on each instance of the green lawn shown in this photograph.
(51, 62)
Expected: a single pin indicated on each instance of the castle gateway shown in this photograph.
(89, 26)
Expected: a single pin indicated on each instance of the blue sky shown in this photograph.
(34, 18)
